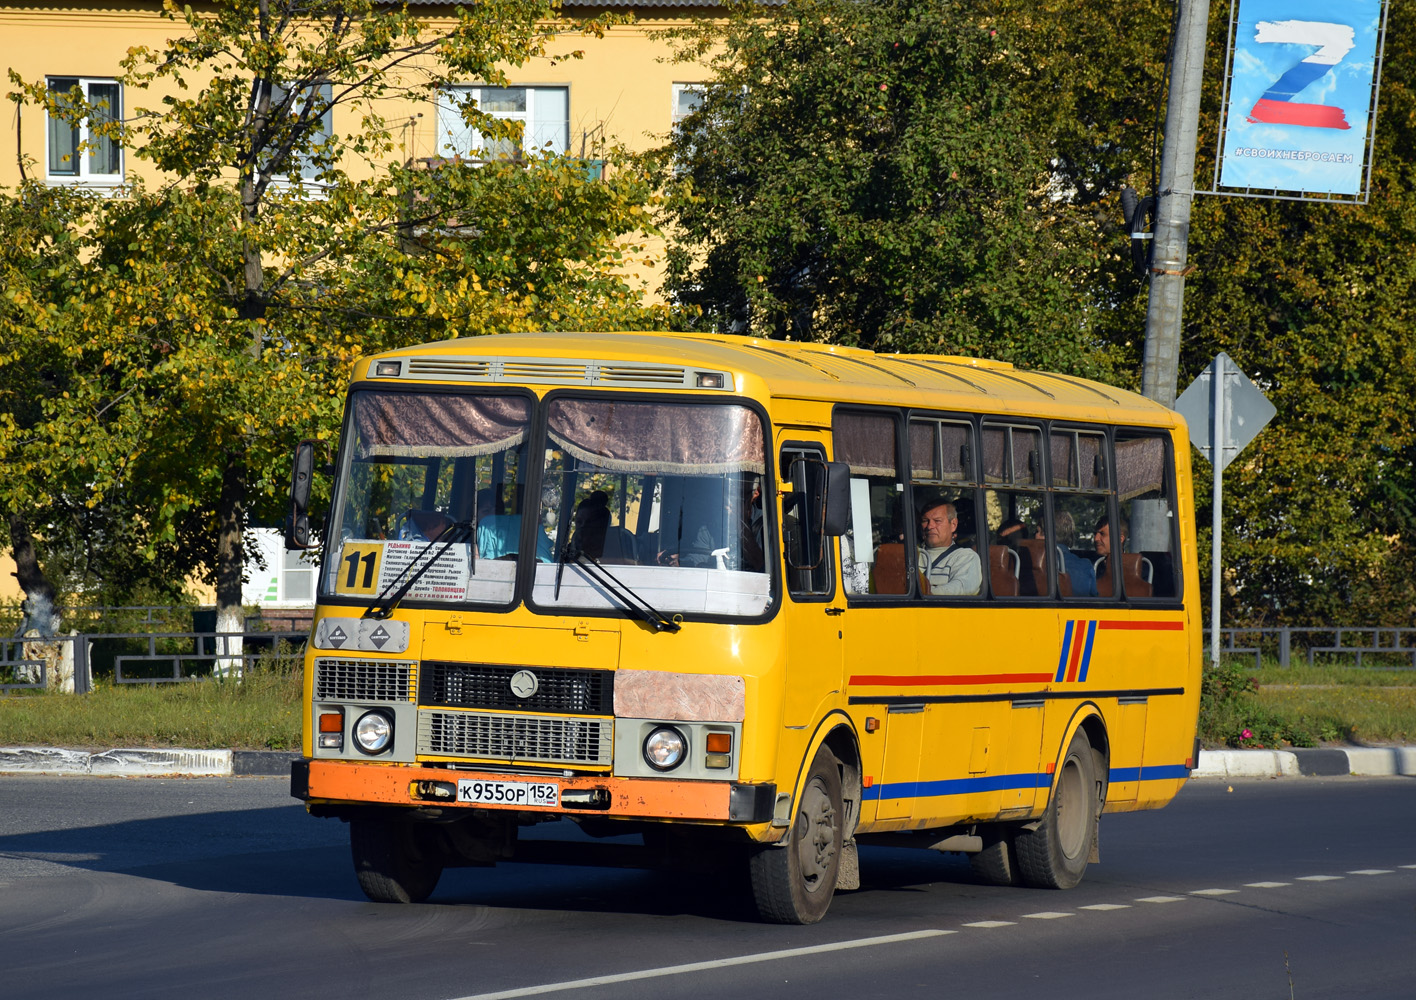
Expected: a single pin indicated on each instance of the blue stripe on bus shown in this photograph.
(1163, 772)
(1087, 653)
(1066, 645)
(1003, 782)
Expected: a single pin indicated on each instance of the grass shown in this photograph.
(1240, 707)
(262, 712)
(1305, 706)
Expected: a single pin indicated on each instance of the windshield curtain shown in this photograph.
(416, 464)
(667, 496)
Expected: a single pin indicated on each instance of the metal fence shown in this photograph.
(159, 646)
(1368, 647)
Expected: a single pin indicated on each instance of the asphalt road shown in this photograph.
(214, 888)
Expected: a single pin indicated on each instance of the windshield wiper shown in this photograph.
(637, 606)
(385, 603)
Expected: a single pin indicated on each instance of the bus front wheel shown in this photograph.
(395, 862)
(1055, 854)
(793, 883)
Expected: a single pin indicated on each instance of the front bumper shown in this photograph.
(332, 782)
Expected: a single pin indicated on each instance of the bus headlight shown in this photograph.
(665, 748)
(373, 733)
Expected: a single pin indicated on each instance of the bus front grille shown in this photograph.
(488, 685)
(516, 738)
(338, 679)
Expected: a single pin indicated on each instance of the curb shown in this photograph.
(145, 763)
(1376, 761)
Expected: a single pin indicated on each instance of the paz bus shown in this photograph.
(758, 602)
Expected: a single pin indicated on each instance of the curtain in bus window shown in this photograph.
(1012, 455)
(659, 438)
(1074, 460)
(1140, 467)
(450, 426)
(866, 441)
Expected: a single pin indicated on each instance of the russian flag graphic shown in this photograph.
(1277, 106)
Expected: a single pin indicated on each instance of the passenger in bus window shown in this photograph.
(1080, 572)
(947, 567)
(1103, 537)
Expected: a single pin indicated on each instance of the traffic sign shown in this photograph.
(1247, 410)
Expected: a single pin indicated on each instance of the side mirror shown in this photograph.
(836, 515)
(822, 499)
(297, 528)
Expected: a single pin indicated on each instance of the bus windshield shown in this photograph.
(667, 496)
(415, 466)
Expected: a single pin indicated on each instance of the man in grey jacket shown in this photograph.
(946, 566)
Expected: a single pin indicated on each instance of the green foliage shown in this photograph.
(861, 173)
(1231, 715)
(161, 352)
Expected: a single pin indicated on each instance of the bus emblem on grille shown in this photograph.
(524, 684)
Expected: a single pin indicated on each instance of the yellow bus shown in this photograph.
(758, 602)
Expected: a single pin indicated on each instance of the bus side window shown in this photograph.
(943, 481)
(1145, 487)
(1014, 511)
(1081, 483)
(873, 555)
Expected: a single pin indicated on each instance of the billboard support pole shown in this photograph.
(1172, 215)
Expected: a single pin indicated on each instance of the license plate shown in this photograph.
(508, 793)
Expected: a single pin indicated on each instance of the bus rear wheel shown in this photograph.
(1055, 854)
(395, 862)
(793, 883)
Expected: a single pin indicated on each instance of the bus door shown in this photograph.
(813, 612)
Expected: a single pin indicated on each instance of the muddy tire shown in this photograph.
(1055, 854)
(792, 883)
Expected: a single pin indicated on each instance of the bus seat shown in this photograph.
(1003, 565)
(890, 573)
(1036, 551)
(1136, 571)
(620, 547)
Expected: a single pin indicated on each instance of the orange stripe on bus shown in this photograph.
(881, 680)
(1078, 641)
(350, 781)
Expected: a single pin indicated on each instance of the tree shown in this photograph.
(208, 323)
(860, 173)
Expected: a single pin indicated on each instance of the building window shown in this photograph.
(544, 113)
(102, 159)
(319, 133)
(688, 97)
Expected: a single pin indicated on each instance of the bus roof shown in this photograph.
(786, 370)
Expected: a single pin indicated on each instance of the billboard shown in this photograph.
(1301, 95)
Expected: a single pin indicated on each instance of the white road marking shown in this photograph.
(1105, 906)
(1047, 915)
(1408, 866)
(1266, 885)
(1213, 892)
(718, 963)
(1160, 899)
(1319, 878)
(993, 923)
(1371, 871)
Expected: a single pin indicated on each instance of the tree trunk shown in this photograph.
(41, 608)
(230, 567)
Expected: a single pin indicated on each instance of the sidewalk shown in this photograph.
(230, 763)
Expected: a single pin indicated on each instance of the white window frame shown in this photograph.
(84, 175)
(455, 138)
(676, 116)
(306, 175)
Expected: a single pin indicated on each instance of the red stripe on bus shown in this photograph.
(1078, 637)
(1144, 626)
(884, 681)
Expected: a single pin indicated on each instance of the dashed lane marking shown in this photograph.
(992, 923)
(1266, 885)
(1105, 906)
(1213, 892)
(719, 963)
(1319, 878)
(1047, 915)
(1160, 899)
(1371, 871)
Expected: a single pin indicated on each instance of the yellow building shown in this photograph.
(623, 88)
